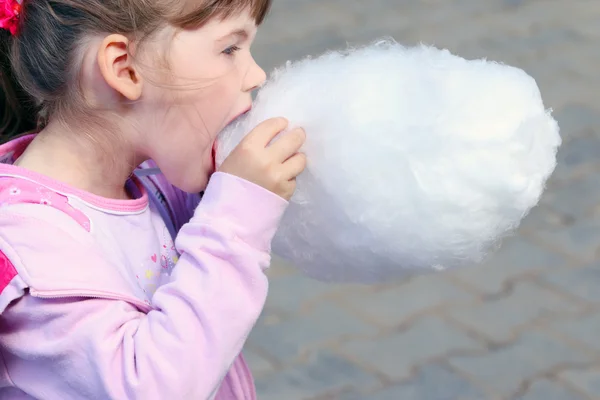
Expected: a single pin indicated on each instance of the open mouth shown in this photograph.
(214, 156)
(240, 115)
(215, 144)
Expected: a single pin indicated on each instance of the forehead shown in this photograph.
(239, 24)
(197, 12)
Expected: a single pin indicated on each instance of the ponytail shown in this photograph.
(17, 112)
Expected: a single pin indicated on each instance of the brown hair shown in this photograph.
(39, 65)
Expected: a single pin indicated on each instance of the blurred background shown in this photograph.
(525, 324)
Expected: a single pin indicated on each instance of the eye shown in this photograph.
(230, 50)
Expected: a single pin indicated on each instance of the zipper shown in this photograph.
(59, 294)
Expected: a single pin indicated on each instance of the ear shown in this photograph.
(117, 67)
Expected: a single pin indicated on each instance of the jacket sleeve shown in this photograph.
(98, 349)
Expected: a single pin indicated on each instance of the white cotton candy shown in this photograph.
(417, 159)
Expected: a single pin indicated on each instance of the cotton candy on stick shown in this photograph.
(417, 159)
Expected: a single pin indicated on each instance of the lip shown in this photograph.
(214, 156)
(246, 111)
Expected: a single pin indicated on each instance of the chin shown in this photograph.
(187, 181)
(194, 186)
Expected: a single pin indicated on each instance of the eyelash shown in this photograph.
(231, 50)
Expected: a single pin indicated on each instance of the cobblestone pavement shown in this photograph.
(524, 325)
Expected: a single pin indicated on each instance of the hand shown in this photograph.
(274, 167)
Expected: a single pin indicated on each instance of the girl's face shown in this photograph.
(212, 76)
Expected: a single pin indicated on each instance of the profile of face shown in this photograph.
(211, 78)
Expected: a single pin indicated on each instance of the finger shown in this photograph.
(266, 131)
(294, 166)
(287, 144)
(289, 188)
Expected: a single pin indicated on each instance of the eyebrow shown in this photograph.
(241, 33)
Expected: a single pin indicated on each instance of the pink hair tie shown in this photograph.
(9, 15)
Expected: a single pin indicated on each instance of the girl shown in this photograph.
(103, 293)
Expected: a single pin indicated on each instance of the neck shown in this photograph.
(98, 167)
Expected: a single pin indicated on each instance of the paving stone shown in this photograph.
(580, 152)
(547, 390)
(433, 382)
(288, 293)
(543, 218)
(257, 363)
(395, 354)
(289, 338)
(279, 268)
(506, 368)
(324, 372)
(575, 119)
(583, 282)
(499, 319)
(584, 330)
(294, 22)
(391, 307)
(540, 37)
(558, 93)
(564, 200)
(535, 41)
(581, 240)
(516, 256)
(586, 381)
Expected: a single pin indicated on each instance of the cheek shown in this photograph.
(185, 128)
(193, 137)
(210, 109)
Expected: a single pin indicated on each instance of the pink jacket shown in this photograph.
(97, 302)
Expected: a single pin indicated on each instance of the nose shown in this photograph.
(254, 78)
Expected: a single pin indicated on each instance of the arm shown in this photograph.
(181, 350)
